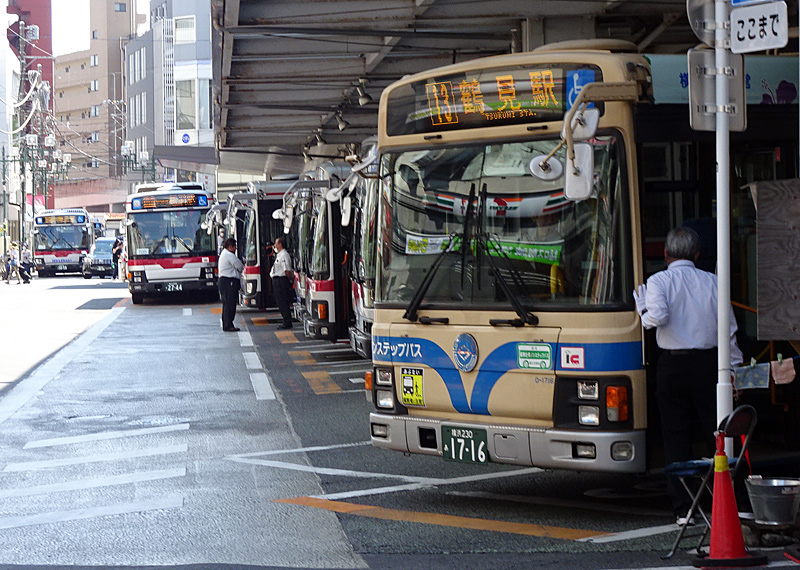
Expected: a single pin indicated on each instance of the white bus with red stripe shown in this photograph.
(255, 236)
(169, 249)
(61, 240)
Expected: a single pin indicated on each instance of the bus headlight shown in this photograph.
(622, 451)
(588, 389)
(251, 287)
(384, 399)
(589, 415)
(383, 376)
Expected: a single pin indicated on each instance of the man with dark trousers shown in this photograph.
(230, 271)
(681, 303)
(281, 275)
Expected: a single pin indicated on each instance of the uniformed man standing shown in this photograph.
(230, 273)
(281, 275)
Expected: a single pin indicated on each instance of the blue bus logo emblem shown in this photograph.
(465, 352)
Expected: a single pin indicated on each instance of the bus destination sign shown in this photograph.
(169, 201)
(61, 219)
(483, 98)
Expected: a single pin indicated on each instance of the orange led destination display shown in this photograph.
(60, 219)
(482, 98)
(168, 201)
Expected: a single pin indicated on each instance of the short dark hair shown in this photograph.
(230, 242)
(682, 243)
(280, 240)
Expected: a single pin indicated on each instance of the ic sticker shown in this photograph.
(411, 381)
(572, 357)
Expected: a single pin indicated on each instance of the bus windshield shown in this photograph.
(251, 238)
(175, 232)
(60, 238)
(320, 264)
(489, 230)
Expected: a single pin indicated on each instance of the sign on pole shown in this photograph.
(759, 27)
(702, 91)
(735, 3)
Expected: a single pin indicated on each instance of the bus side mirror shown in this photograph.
(583, 124)
(579, 174)
(347, 210)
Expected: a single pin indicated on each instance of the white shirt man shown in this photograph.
(230, 270)
(281, 274)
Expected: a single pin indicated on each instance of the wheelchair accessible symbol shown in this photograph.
(575, 81)
(465, 352)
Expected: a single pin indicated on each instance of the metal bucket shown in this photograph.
(774, 501)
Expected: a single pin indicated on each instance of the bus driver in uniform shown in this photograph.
(281, 274)
(230, 272)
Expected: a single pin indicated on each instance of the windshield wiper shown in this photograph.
(413, 306)
(524, 316)
(464, 240)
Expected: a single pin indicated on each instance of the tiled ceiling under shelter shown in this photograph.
(290, 72)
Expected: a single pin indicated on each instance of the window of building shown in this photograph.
(66, 69)
(95, 35)
(186, 104)
(94, 85)
(94, 137)
(94, 60)
(144, 109)
(142, 62)
(60, 94)
(94, 111)
(131, 65)
(204, 101)
(184, 30)
(120, 7)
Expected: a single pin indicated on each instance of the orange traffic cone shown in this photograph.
(727, 542)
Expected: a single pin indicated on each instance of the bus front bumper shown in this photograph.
(361, 343)
(157, 287)
(517, 445)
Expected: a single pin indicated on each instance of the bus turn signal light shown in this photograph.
(368, 380)
(617, 403)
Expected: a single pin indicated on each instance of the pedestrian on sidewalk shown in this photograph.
(13, 263)
(26, 264)
(230, 275)
(116, 251)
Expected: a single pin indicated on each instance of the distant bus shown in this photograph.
(169, 250)
(61, 239)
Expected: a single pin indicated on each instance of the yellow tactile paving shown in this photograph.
(216, 310)
(321, 382)
(260, 321)
(286, 337)
(444, 520)
(301, 357)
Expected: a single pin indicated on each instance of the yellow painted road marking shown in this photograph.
(216, 310)
(260, 321)
(321, 383)
(444, 520)
(301, 357)
(286, 337)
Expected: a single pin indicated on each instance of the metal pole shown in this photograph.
(724, 386)
(5, 204)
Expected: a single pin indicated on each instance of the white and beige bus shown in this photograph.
(509, 243)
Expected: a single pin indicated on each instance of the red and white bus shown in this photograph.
(61, 239)
(169, 250)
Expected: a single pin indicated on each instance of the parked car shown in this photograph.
(98, 261)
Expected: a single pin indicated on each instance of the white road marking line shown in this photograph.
(432, 482)
(332, 349)
(251, 361)
(94, 483)
(33, 465)
(187, 312)
(245, 339)
(78, 514)
(627, 535)
(356, 380)
(262, 386)
(330, 471)
(19, 395)
(301, 449)
(104, 435)
(349, 364)
(547, 501)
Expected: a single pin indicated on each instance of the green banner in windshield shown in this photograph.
(536, 253)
